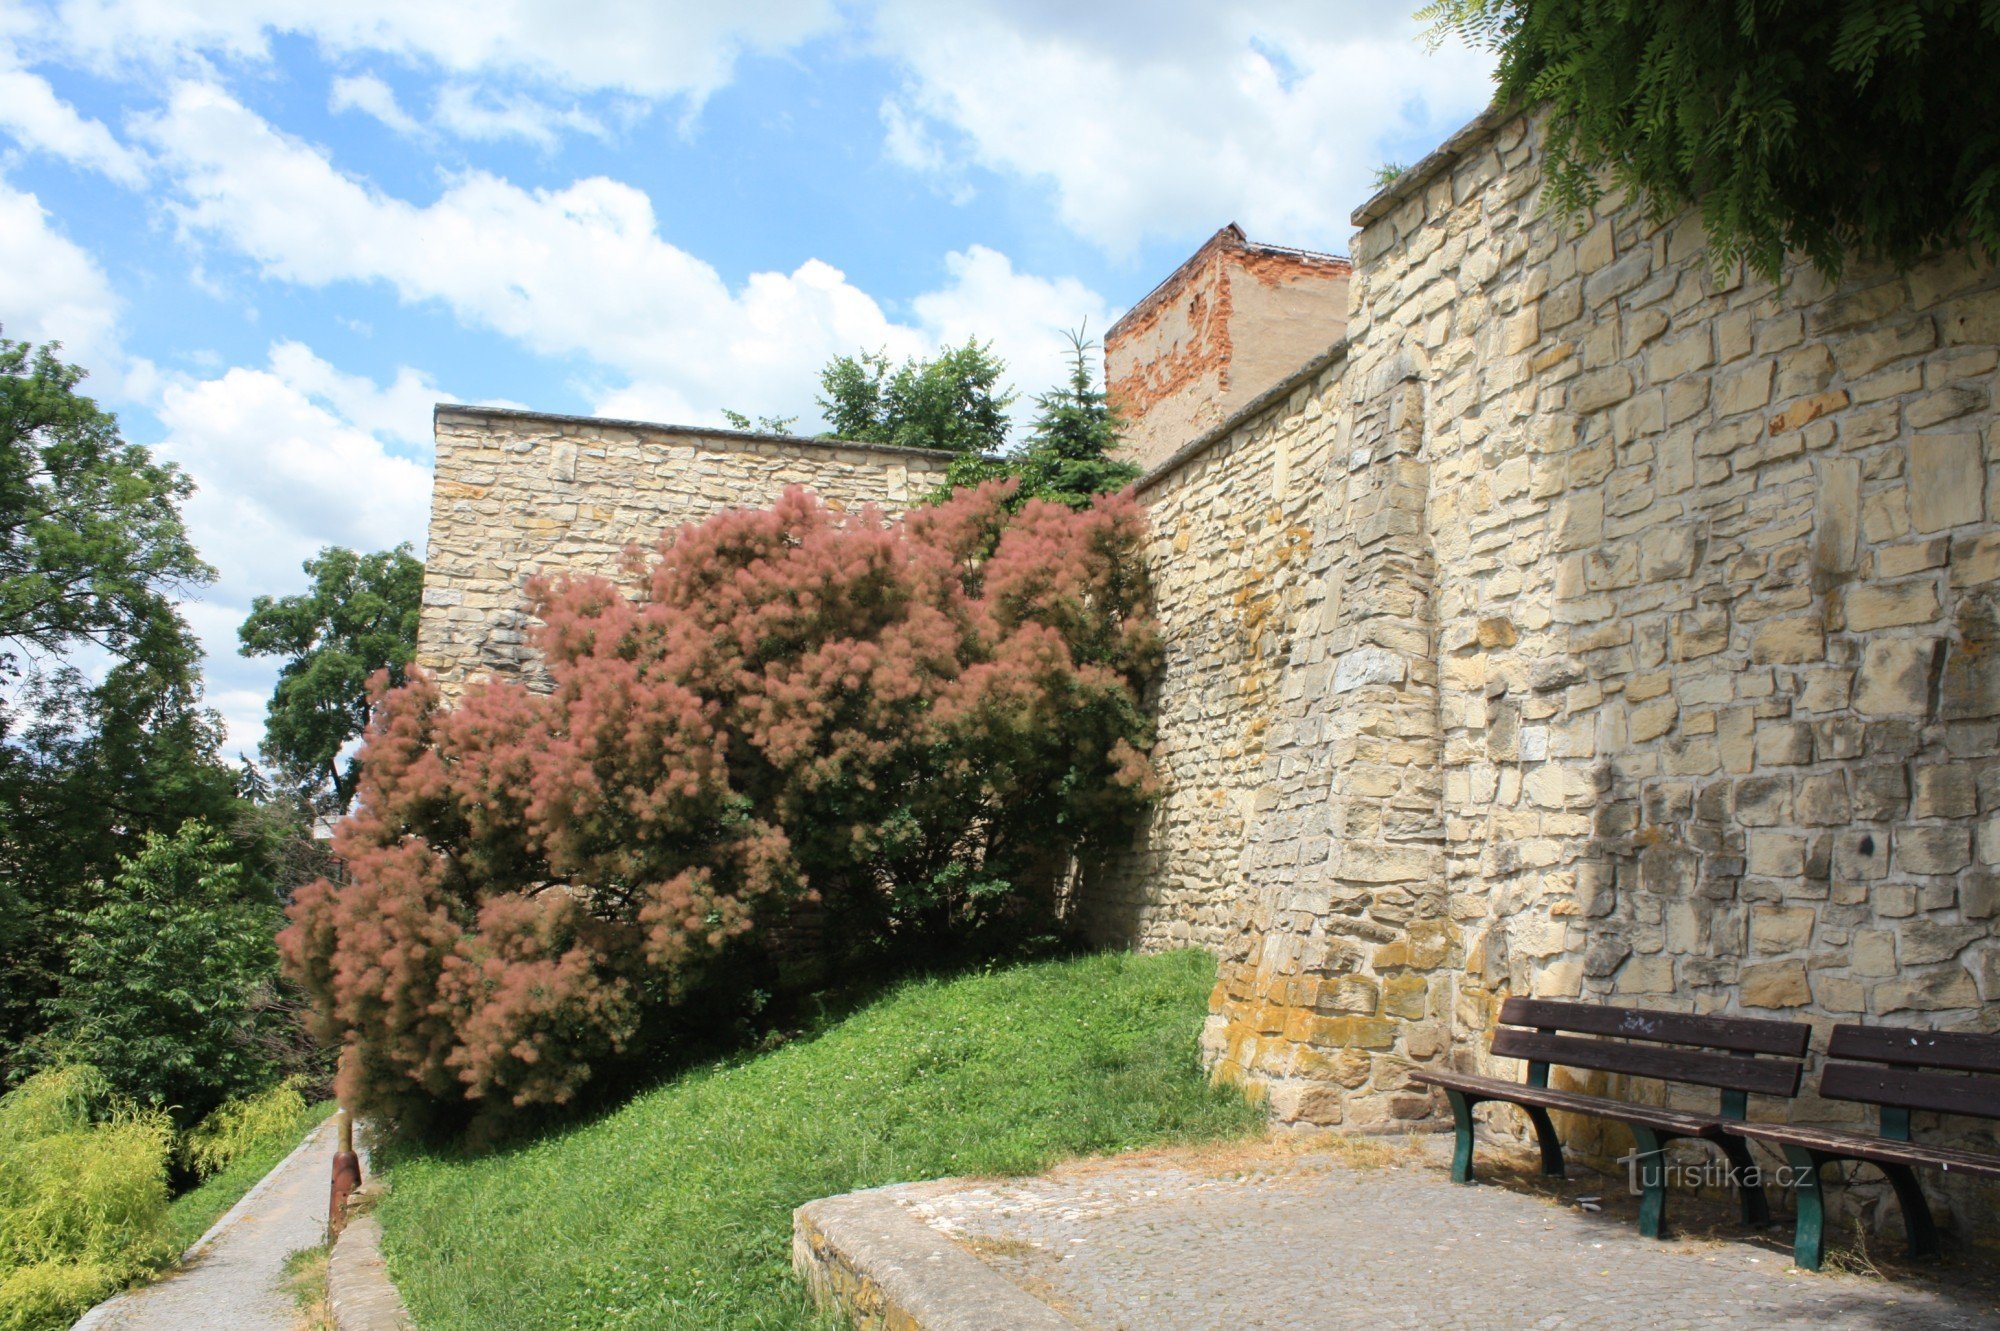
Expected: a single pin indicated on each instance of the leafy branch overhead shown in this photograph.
(1825, 129)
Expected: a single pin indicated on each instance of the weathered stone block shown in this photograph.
(1895, 677)
(1775, 984)
(1933, 850)
(1947, 481)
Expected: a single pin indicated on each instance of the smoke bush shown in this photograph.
(912, 727)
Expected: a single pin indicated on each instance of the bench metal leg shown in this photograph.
(1461, 1117)
(1808, 1240)
(1749, 1188)
(1652, 1148)
(1545, 1135)
(1917, 1221)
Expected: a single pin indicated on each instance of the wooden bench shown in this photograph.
(1898, 1071)
(1739, 1056)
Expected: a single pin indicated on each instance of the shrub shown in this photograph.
(244, 1125)
(170, 978)
(83, 1195)
(912, 725)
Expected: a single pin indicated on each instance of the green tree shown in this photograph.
(92, 546)
(93, 554)
(950, 403)
(172, 975)
(359, 616)
(1067, 458)
(86, 771)
(1794, 125)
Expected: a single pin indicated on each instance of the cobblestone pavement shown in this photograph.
(1302, 1240)
(235, 1281)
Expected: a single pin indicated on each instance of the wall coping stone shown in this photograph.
(1434, 163)
(1256, 406)
(445, 409)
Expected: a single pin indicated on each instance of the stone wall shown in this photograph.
(519, 493)
(1647, 652)
(1229, 519)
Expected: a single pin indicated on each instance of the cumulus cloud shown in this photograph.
(287, 459)
(368, 94)
(644, 47)
(581, 271)
(50, 288)
(1171, 120)
(32, 113)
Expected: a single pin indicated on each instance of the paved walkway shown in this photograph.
(1297, 1239)
(235, 1280)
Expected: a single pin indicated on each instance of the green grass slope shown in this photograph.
(675, 1211)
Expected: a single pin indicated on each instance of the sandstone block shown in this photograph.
(1873, 953)
(1933, 850)
(1895, 677)
(1775, 984)
(1788, 641)
(1947, 481)
(1878, 607)
(1780, 929)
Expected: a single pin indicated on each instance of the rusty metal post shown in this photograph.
(346, 1173)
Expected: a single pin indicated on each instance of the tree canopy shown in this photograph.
(1067, 459)
(950, 403)
(92, 548)
(359, 616)
(1865, 126)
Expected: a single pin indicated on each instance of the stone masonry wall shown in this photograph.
(1230, 529)
(1650, 654)
(518, 493)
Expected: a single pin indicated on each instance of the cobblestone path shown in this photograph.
(1309, 1240)
(235, 1281)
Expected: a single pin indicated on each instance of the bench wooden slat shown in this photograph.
(1940, 1092)
(1745, 1035)
(1876, 1150)
(1760, 1076)
(1656, 1117)
(1961, 1051)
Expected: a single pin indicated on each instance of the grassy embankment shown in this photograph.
(675, 1210)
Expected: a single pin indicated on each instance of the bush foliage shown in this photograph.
(1794, 125)
(172, 977)
(910, 726)
(83, 1196)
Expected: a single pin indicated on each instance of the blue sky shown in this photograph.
(278, 231)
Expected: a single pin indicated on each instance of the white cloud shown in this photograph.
(33, 114)
(369, 95)
(1172, 120)
(50, 288)
(480, 113)
(286, 460)
(581, 271)
(688, 48)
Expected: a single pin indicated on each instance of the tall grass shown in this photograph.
(675, 1211)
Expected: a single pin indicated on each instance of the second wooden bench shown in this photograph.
(1737, 1056)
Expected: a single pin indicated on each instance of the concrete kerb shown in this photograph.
(358, 1288)
(867, 1255)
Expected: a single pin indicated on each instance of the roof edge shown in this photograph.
(442, 409)
(1256, 406)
